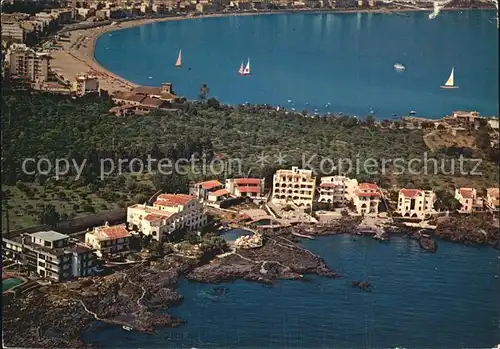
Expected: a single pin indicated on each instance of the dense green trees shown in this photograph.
(83, 132)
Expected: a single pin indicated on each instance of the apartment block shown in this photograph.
(416, 203)
(337, 190)
(366, 198)
(13, 31)
(51, 255)
(25, 62)
(169, 213)
(296, 186)
(85, 84)
(246, 187)
(109, 240)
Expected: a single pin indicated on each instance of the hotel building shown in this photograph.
(246, 187)
(109, 240)
(50, 254)
(295, 185)
(85, 84)
(337, 190)
(26, 63)
(366, 198)
(416, 203)
(169, 213)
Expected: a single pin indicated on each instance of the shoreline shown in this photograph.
(71, 60)
(128, 298)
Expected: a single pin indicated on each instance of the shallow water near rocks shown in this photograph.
(444, 300)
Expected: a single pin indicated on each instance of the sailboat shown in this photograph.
(450, 82)
(178, 63)
(245, 71)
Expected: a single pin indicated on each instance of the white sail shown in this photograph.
(178, 63)
(241, 68)
(450, 81)
(247, 68)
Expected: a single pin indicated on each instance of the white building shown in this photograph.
(366, 198)
(169, 213)
(493, 199)
(109, 240)
(212, 191)
(416, 203)
(25, 62)
(85, 84)
(469, 200)
(246, 187)
(51, 255)
(295, 185)
(337, 189)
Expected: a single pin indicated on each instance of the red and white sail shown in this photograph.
(240, 71)
(246, 71)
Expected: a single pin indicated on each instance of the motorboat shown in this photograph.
(399, 67)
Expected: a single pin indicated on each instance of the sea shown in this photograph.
(448, 299)
(321, 62)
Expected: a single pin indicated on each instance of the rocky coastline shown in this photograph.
(136, 297)
(466, 229)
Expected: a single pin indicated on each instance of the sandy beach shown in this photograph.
(77, 55)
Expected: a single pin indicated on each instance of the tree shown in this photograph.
(49, 215)
(212, 245)
(204, 92)
(193, 238)
(172, 183)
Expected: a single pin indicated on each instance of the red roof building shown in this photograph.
(245, 187)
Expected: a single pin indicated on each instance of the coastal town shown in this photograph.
(52, 50)
(181, 231)
(122, 266)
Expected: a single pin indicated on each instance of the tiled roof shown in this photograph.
(219, 192)
(154, 217)
(147, 90)
(367, 186)
(210, 184)
(246, 181)
(128, 96)
(327, 185)
(410, 193)
(114, 232)
(173, 199)
(493, 192)
(466, 193)
(152, 102)
(243, 189)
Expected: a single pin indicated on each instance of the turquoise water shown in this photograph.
(445, 300)
(233, 234)
(9, 283)
(315, 59)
